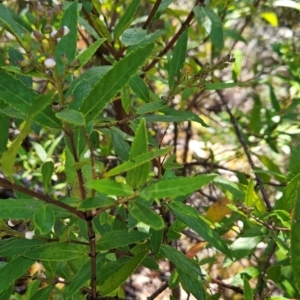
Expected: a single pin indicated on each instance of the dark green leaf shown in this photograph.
(150, 107)
(221, 85)
(6, 294)
(100, 27)
(274, 100)
(4, 129)
(126, 99)
(120, 238)
(248, 294)
(13, 270)
(12, 246)
(57, 251)
(156, 237)
(110, 187)
(139, 87)
(122, 147)
(113, 81)
(126, 18)
(191, 217)
(119, 277)
(176, 187)
(177, 62)
(144, 214)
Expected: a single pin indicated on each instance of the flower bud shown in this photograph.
(50, 63)
(29, 235)
(39, 10)
(48, 28)
(57, 9)
(37, 35)
(60, 32)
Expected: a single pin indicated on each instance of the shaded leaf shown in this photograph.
(133, 36)
(139, 87)
(96, 202)
(44, 219)
(43, 293)
(71, 116)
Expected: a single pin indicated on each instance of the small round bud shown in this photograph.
(57, 9)
(10, 223)
(29, 235)
(50, 63)
(48, 28)
(53, 33)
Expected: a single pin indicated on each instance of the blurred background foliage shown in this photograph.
(263, 37)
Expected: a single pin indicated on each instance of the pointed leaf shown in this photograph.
(96, 202)
(139, 87)
(177, 62)
(221, 85)
(253, 200)
(248, 294)
(144, 214)
(101, 28)
(4, 129)
(113, 81)
(110, 187)
(137, 177)
(118, 278)
(13, 270)
(212, 24)
(12, 246)
(150, 107)
(176, 187)
(191, 217)
(156, 238)
(137, 161)
(133, 36)
(57, 252)
(43, 293)
(82, 276)
(47, 170)
(187, 269)
(120, 238)
(87, 54)
(126, 18)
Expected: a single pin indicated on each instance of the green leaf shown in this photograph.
(179, 186)
(68, 44)
(221, 85)
(43, 293)
(121, 146)
(133, 36)
(248, 294)
(110, 187)
(137, 177)
(4, 129)
(243, 246)
(19, 208)
(126, 99)
(126, 18)
(137, 161)
(120, 238)
(101, 28)
(47, 170)
(144, 214)
(9, 23)
(6, 294)
(191, 217)
(44, 219)
(253, 200)
(13, 270)
(82, 276)
(139, 87)
(295, 243)
(57, 252)
(119, 277)
(150, 107)
(187, 269)
(87, 54)
(71, 116)
(177, 62)
(212, 24)
(290, 195)
(113, 81)
(96, 202)
(274, 100)
(13, 246)
(237, 190)
(234, 34)
(156, 238)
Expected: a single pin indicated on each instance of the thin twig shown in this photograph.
(152, 14)
(227, 286)
(9, 185)
(245, 147)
